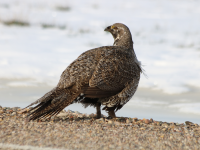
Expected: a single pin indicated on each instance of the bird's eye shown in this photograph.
(115, 28)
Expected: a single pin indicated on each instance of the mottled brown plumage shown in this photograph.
(106, 76)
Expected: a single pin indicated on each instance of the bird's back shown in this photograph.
(109, 68)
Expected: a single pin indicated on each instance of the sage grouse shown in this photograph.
(107, 75)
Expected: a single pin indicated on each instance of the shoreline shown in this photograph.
(73, 130)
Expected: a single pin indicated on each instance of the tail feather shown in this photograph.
(52, 104)
(37, 111)
(44, 98)
(50, 110)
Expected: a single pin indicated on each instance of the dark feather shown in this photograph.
(95, 92)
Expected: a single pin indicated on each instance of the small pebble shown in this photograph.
(147, 121)
(135, 119)
(73, 130)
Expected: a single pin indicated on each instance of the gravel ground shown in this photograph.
(73, 130)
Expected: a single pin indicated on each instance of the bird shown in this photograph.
(107, 75)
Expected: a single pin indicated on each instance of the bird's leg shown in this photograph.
(98, 107)
(111, 113)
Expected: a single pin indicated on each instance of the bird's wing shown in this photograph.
(117, 71)
(95, 92)
(114, 70)
(120, 99)
(100, 72)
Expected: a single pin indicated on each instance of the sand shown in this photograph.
(73, 130)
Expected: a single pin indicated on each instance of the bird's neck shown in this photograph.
(123, 41)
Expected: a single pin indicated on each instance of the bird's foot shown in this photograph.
(98, 116)
(111, 113)
(98, 108)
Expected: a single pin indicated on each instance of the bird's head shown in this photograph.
(121, 34)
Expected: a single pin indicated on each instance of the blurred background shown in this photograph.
(40, 38)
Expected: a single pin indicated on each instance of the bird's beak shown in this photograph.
(108, 29)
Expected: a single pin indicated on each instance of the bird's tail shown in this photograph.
(51, 103)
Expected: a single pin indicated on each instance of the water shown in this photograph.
(166, 40)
